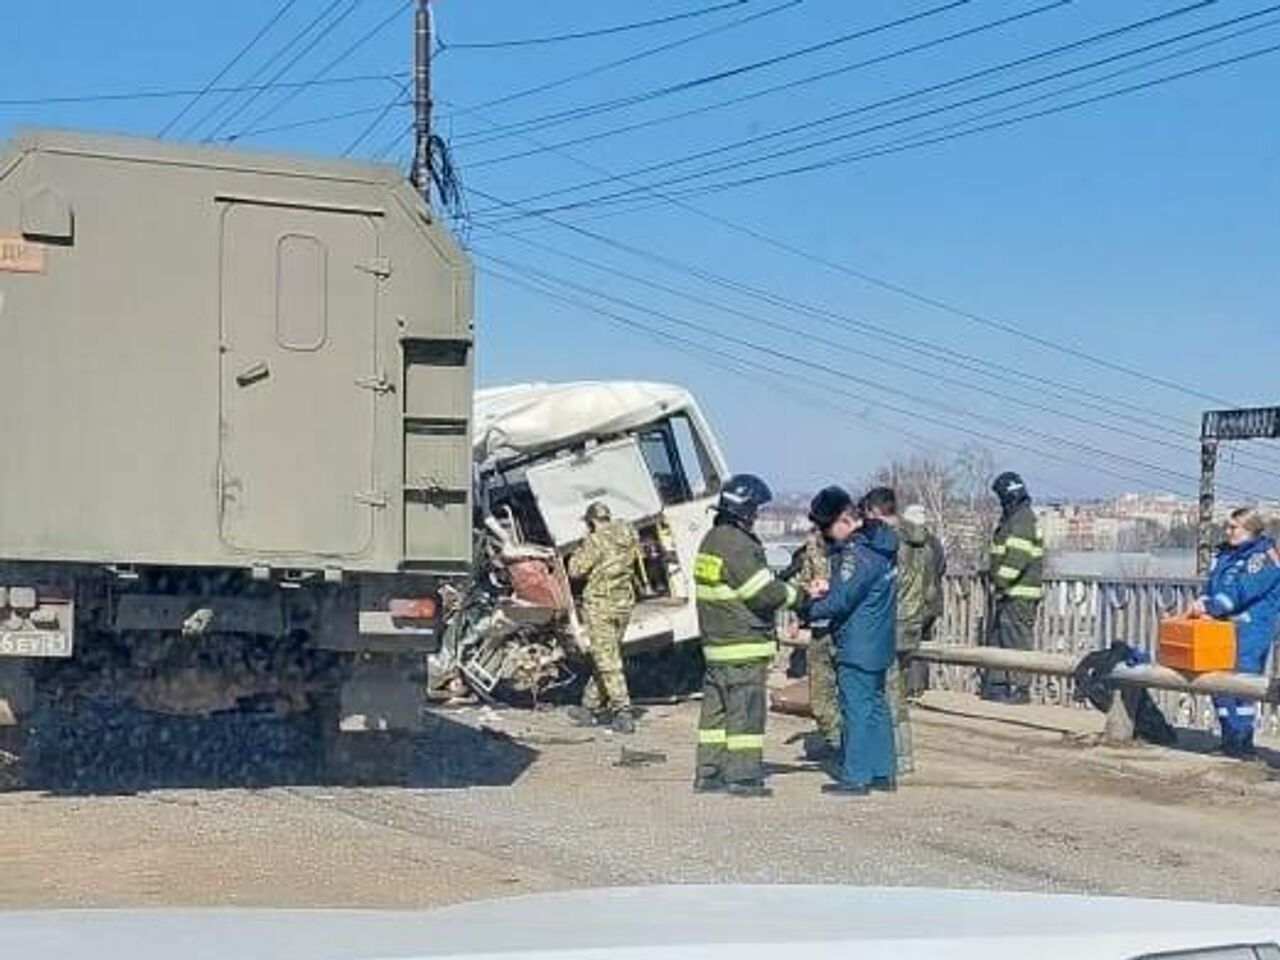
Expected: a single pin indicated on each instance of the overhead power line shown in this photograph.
(853, 374)
(1100, 402)
(318, 121)
(631, 58)
(1018, 331)
(190, 91)
(574, 113)
(779, 381)
(1106, 404)
(347, 52)
(401, 98)
(591, 34)
(849, 112)
(743, 98)
(1008, 328)
(390, 145)
(916, 141)
(845, 375)
(847, 346)
(230, 65)
(322, 33)
(263, 68)
(909, 141)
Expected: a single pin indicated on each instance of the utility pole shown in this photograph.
(1251, 423)
(421, 174)
(1205, 538)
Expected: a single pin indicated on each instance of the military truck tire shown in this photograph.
(77, 745)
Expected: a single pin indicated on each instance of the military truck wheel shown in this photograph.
(367, 758)
(17, 700)
(79, 745)
(12, 748)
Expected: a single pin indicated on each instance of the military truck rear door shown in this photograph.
(299, 294)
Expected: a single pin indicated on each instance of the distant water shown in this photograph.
(1173, 564)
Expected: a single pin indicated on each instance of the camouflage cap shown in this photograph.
(597, 510)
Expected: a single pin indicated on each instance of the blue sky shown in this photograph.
(1142, 229)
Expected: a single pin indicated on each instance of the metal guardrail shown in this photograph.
(1079, 615)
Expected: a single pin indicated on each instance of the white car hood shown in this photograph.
(690, 923)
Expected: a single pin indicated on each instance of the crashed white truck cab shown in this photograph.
(543, 452)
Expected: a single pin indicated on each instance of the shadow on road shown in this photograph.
(1005, 717)
(1189, 740)
(116, 751)
(1205, 742)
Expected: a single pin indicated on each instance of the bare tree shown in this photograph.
(972, 471)
(921, 479)
(956, 494)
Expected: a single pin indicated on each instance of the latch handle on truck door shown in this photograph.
(253, 373)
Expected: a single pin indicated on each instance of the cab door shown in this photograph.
(298, 379)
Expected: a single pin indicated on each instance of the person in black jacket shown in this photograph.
(1017, 582)
(737, 598)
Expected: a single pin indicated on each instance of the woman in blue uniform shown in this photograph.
(1244, 587)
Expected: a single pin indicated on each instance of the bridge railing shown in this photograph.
(1079, 615)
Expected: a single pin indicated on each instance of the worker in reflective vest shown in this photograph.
(1244, 587)
(1017, 581)
(737, 598)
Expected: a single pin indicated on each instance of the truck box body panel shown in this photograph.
(288, 371)
(225, 359)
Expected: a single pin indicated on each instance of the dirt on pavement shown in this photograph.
(501, 802)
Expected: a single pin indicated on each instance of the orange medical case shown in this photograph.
(1197, 644)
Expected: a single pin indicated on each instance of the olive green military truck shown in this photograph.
(235, 406)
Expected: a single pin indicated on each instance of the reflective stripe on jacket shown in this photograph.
(1244, 587)
(1017, 556)
(737, 596)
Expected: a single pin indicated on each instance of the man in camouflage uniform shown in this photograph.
(821, 657)
(881, 504)
(921, 567)
(607, 560)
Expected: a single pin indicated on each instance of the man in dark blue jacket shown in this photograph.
(862, 607)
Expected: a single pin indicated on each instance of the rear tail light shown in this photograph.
(415, 608)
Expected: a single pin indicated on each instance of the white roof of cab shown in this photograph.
(528, 418)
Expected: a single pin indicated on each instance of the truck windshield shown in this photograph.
(678, 461)
(660, 453)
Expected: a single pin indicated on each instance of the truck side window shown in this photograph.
(698, 469)
(302, 321)
(659, 449)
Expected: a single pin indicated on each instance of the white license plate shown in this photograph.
(35, 643)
